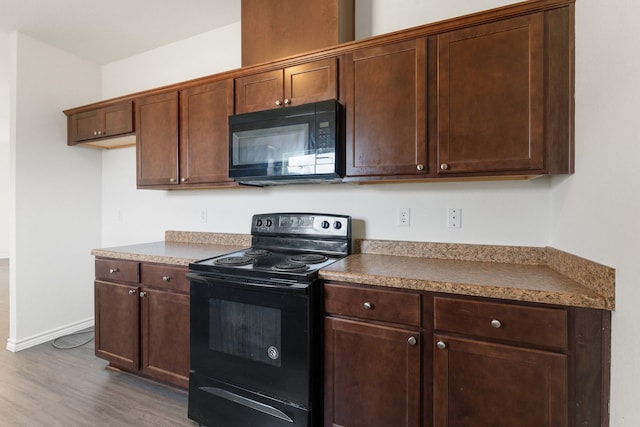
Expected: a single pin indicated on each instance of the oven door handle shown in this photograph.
(249, 403)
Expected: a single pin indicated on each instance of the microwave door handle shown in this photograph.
(249, 403)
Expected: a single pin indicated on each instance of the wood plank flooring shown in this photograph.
(44, 386)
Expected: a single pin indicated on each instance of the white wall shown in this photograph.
(4, 145)
(595, 213)
(55, 195)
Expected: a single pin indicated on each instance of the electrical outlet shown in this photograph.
(203, 215)
(454, 217)
(404, 217)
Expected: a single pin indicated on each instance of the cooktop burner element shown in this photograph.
(309, 258)
(290, 266)
(234, 261)
(257, 252)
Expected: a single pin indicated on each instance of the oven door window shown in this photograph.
(245, 330)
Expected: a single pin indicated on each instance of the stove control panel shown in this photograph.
(301, 224)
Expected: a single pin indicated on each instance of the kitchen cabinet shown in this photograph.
(295, 85)
(404, 357)
(157, 140)
(204, 133)
(142, 319)
(100, 123)
(384, 92)
(480, 380)
(372, 370)
(186, 147)
(493, 81)
(482, 96)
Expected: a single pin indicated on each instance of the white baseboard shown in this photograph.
(23, 344)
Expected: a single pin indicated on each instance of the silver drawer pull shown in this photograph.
(367, 305)
(441, 345)
(496, 323)
(412, 340)
(132, 291)
(114, 270)
(166, 278)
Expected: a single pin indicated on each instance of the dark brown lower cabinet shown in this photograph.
(143, 327)
(372, 375)
(117, 324)
(478, 383)
(165, 337)
(411, 358)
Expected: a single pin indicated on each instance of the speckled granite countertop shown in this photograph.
(544, 275)
(179, 248)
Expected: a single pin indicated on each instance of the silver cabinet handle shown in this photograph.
(166, 278)
(420, 167)
(496, 323)
(114, 270)
(367, 305)
(441, 345)
(444, 166)
(184, 179)
(287, 101)
(278, 103)
(172, 180)
(132, 291)
(412, 340)
(143, 294)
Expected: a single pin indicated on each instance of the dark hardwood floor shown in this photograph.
(45, 386)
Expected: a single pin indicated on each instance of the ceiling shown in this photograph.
(106, 31)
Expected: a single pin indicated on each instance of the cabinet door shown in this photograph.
(157, 140)
(85, 125)
(372, 375)
(312, 82)
(491, 97)
(118, 119)
(117, 324)
(477, 383)
(204, 142)
(385, 96)
(259, 91)
(165, 336)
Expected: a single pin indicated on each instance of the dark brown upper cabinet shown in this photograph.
(157, 140)
(100, 124)
(384, 92)
(296, 85)
(189, 148)
(204, 133)
(502, 97)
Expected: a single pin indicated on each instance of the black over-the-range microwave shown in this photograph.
(297, 144)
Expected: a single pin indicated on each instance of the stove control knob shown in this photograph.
(337, 225)
(269, 223)
(258, 222)
(325, 224)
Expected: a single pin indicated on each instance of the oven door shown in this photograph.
(253, 336)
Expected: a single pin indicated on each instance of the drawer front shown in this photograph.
(165, 277)
(114, 270)
(546, 327)
(375, 304)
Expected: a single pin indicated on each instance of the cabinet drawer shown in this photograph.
(165, 277)
(546, 327)
(114, 270)
(375, 304)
